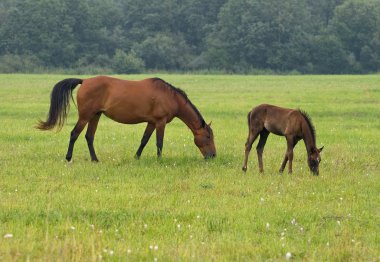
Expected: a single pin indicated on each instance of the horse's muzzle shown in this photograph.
(208, 156)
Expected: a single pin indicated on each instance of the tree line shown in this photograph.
(234, 36)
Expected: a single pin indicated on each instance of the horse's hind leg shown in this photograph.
(144, 140)
(90, 134)
(248, 146)
(73, 137)
(260, 148)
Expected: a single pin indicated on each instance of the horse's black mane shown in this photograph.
(309, 123)
(184, 95)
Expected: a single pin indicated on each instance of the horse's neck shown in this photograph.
(308, 138)
(188, 115)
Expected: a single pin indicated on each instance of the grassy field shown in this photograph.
(182, 207)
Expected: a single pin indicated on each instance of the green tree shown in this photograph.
(124, 63)
(356, 24)
(164, 51)
(328, 56)
(261, 34)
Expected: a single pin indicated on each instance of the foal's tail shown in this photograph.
(59, 104)
(249, 120)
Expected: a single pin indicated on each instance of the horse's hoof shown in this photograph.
(244, 168)
(137, 157)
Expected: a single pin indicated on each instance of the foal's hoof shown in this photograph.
(244, 168)
(137, 157)
(95, 161)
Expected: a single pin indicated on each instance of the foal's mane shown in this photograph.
(183, 94)
(309, 123)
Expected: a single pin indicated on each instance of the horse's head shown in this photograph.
(204, 139)
(314, 160)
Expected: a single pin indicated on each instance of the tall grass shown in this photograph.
(182, 207)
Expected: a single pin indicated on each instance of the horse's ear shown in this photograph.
(320, 150)
(210, 123)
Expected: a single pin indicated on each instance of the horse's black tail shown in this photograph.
(249, 120)
(59, 104)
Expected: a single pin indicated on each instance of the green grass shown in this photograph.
(182, 207)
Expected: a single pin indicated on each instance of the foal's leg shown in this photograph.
(260, 148)
(288, 155)
(144, 140)
(90, 134)
(73, 137)
(248, 146)
(160, 129)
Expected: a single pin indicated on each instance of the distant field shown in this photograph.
(182, 207)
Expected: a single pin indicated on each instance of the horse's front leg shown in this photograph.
(144, 140)
(284, 163)
(160, 130)
(289, 155)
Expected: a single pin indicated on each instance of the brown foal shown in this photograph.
(129, 102)
(293, 124)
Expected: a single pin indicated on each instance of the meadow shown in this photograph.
(182, 207)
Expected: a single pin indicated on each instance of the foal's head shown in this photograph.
(204, 140)
(314, 159)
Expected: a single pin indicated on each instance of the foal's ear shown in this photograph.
(320, 150)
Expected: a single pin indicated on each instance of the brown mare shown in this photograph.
(293, 124)
(129, 102)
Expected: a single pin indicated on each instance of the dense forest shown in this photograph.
(232, 36)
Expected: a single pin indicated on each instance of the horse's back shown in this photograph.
(124, 101)
(273, 118)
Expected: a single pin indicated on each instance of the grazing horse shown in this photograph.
(293, 124)
(129, 102)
